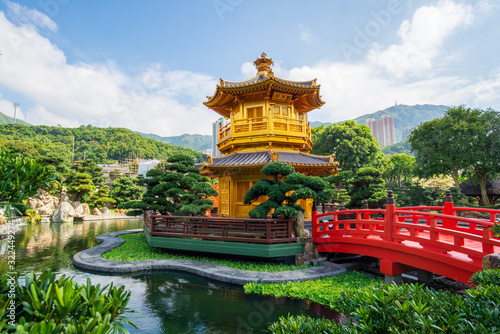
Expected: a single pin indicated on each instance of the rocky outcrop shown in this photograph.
(298, 225)
(96, 212)
(105, 211)
(43, 203)
(491, 261)
(77, 205)
(86, 209)
(64, 213)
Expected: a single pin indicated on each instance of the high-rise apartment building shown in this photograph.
(373, 125)
(386, 131)
(215, 135)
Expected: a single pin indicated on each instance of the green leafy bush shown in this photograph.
(302, 324)
(486, 277)
(46, 304)
(384, 308)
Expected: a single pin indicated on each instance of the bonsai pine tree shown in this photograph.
(283, 188)
(126, 189)
(81, 187)
(179, 190)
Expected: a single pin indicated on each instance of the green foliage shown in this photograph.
(414, 194)
(283, 195)
(464, 140)
(103, 145)
(179, 190)
(46, 304)
(406, 116)
(126, 189)
(486, 277)
(21, 178)
(302, 324)
(400, 167)
(398, 148)
(384, 308)
(195, 142)
(101, 198)
(353, 144)
(81, 187)
(136, 248)
(367, 184)
(33, 217)
(324, 291)
(496, 230)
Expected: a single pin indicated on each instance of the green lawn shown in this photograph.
(136, 248)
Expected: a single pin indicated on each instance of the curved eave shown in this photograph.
(224, 96)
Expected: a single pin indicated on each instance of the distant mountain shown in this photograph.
(195, 142)
(404, 116)
(4, 119)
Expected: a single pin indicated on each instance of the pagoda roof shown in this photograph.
(261, 158)
(305, 94)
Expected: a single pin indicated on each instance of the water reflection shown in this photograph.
(168, 302)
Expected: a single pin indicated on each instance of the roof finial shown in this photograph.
(263, 65)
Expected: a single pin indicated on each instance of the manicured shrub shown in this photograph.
(306, 325)
(46, 304)
(486, 277)
(384, 308)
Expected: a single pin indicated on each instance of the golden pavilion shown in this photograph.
(266, 120)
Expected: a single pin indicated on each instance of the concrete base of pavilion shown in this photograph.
(91, 259)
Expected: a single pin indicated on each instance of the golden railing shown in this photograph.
(278, 124)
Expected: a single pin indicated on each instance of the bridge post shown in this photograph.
(314, 221)
(448, 209)
(389, 214)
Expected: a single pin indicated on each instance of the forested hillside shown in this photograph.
(404, 116)
(103, 145)
(4, 119)
(195, 142)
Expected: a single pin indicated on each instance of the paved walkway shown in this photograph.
(91, 259)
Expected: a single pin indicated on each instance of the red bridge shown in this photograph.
(408, 239)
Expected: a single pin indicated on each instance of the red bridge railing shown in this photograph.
(261, 231)
(442, 243)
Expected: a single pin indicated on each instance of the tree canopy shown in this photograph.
(464, 140)
(21, 177)
(284, 188)
(353, 144)
(103, 145)
(179, 190)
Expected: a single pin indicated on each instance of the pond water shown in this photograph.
(167, 302)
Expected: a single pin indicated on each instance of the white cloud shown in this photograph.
(170, 102)
(157, 101)
(422, 39)
(305, 34)
(24, 15)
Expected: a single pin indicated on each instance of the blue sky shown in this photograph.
(149, 65)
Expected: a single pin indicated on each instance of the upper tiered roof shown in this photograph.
(304, 94)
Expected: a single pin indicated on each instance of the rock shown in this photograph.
(97, 212)
(86, 209)
(46, 210)
(473, 214)
(77, 205)
(491, 261)
(307, 234)
(105, 211)
(298, 225)
(64, 213)
(63, 197)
